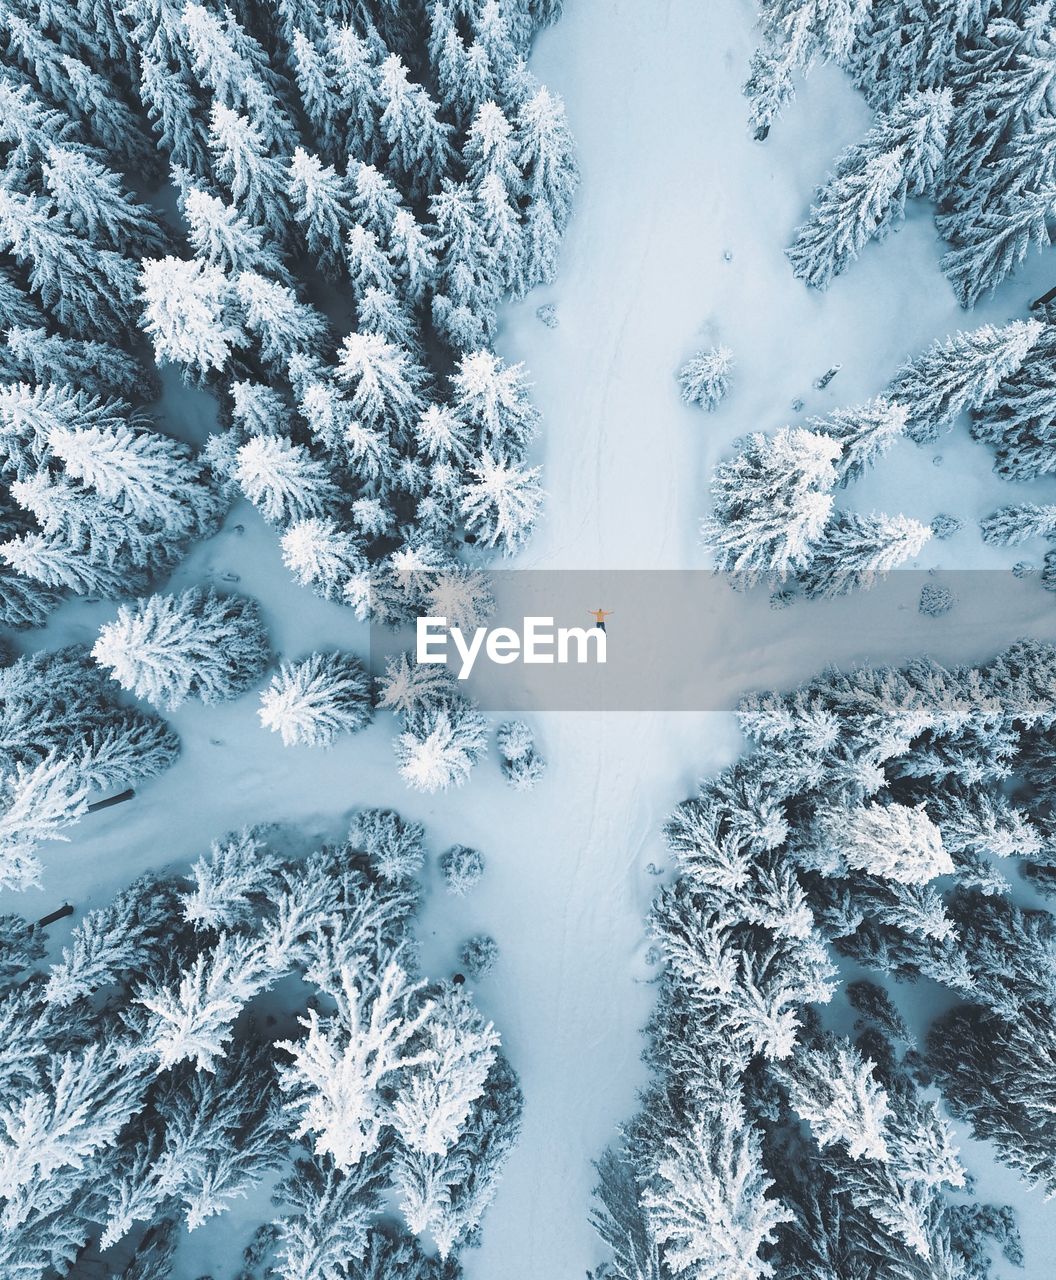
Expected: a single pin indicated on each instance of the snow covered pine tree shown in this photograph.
(137, 1100)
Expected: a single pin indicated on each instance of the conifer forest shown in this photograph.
(319, 958)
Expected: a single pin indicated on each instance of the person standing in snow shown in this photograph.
(599, 617)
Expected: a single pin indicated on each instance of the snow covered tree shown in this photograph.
(866, 433)
(64, 738)
(221, 236)
(1019, 418)
(385, 383)
(255, 180)
(461, 595)
(339, 1066)
(196, 644)
(900, 156)
(36, 803)
(89, 290)
(320, 200)
(771, 504)
(194, 1020)
(440, 745)
(501, 501)
(995, 242)
(850, 211)
(855, 550)
(1012, 525)
(283, 481)
(408, 686)
(419, 149)
(468, 274)
(707, 1202)
(190, 313)
(479, 955)
(461, 868)
(705, 378)
(838, 1094)
(893, 841)
(546, 155)
(143, 475)
(959, 374)
(493, 399)
(90, 197)
(332, 1213)
(281, 325)
(94, 367)
(522, 765)
(124, 939)
(322, 555)
(797, 33)
(393, 845)
(230, 884)
(313, 701)
(433, 1098)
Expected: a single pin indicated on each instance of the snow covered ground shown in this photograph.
(673, 186)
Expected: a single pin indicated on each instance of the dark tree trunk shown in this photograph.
(60, 914)
(1044, 299)
(110, 801)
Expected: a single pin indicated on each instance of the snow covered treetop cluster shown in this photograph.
(357, 186)
(168, 1063)
(965, 95)
(875, 817)
(774, 516)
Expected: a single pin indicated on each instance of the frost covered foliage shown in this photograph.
(965, 118)
(443, 734)
(197, 644)
(66, 741)
(1017, 418)
(349, 196)
(314, 701)
(705, 377)
(480, 955)
(461, 868)
(146, 1088)
(522, 763)
(875, 819)
(95, 499)
(773, 516)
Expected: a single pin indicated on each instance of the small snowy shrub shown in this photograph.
(461, 868)
(313, 701)
(522, 765)
(393, 845)
(945, 526)
(935, 601)
(479, 955)
(705, 377)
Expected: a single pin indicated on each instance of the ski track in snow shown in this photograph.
(671, 180)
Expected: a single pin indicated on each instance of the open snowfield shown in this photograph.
(672, 185)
